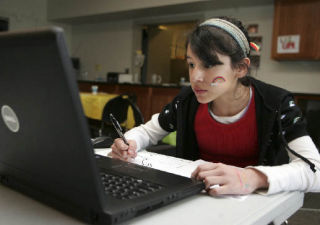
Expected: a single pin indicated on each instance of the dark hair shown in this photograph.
(206, 41)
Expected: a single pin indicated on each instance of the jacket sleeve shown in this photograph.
(147, 134)
(293, 124)
(159, 126)
(168, 116)
(296, 175)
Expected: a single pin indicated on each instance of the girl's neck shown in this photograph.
(233, 102)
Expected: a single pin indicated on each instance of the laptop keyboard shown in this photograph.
(125, 187)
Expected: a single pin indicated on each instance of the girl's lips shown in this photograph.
(200, 91)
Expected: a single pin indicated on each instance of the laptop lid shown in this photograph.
(44, 137)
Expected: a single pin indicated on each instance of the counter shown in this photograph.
(150, 98)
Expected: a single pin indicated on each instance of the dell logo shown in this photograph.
(10, 118)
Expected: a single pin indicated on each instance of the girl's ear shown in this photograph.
(243, 67)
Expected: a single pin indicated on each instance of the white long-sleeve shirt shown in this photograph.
(296, 175)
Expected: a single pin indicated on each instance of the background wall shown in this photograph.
(24, 14)
(29, 14)
(103, 47)
(81, 8)
(109, 45)
(296, 76)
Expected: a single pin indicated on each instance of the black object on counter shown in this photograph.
(112, 77)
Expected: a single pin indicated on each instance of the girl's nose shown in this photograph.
(198, 75)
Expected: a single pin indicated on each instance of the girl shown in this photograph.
(251, 132)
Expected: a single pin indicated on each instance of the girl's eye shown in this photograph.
(191, 65)
(207, 66)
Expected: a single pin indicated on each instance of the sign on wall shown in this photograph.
(288, 44)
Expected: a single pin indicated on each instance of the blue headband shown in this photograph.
(231, 29)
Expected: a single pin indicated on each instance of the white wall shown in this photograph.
(103, 47)
(24, 14)
(296, 76)
(78, 8)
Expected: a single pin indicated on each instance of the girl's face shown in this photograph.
(210, 83)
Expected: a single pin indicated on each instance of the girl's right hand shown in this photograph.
(122, 151)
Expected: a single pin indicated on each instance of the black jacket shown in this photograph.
(279, 121)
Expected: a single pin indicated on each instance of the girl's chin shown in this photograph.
(203, 100)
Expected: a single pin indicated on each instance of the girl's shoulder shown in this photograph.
(271, 95)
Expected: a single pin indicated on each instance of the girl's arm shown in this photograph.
(297, 174)
(147, 134)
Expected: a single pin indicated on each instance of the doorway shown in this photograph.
(164, 48)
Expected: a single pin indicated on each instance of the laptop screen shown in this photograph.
(44, 136)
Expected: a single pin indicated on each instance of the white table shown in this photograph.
(17, 209)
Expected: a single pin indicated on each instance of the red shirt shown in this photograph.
(233, 144)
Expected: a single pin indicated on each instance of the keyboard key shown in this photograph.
(127, 187)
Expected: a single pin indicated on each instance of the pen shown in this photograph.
(118, 128)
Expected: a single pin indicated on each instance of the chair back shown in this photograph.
(119, 106)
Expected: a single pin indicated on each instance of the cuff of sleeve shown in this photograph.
(131, 136)
(272, 177)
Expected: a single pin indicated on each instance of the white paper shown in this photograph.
(161, 162)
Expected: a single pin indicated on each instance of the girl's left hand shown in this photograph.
(229, 179)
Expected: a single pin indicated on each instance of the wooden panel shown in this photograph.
(298, 17)
(161, 97)
(143, 94)
(301, 97)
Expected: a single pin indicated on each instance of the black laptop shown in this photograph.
(45, 147)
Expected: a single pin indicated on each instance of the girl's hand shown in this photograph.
(122, 151)
(229, 179)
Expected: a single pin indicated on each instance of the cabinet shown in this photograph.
(297, 23)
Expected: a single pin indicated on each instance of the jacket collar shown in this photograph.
(271, 95)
